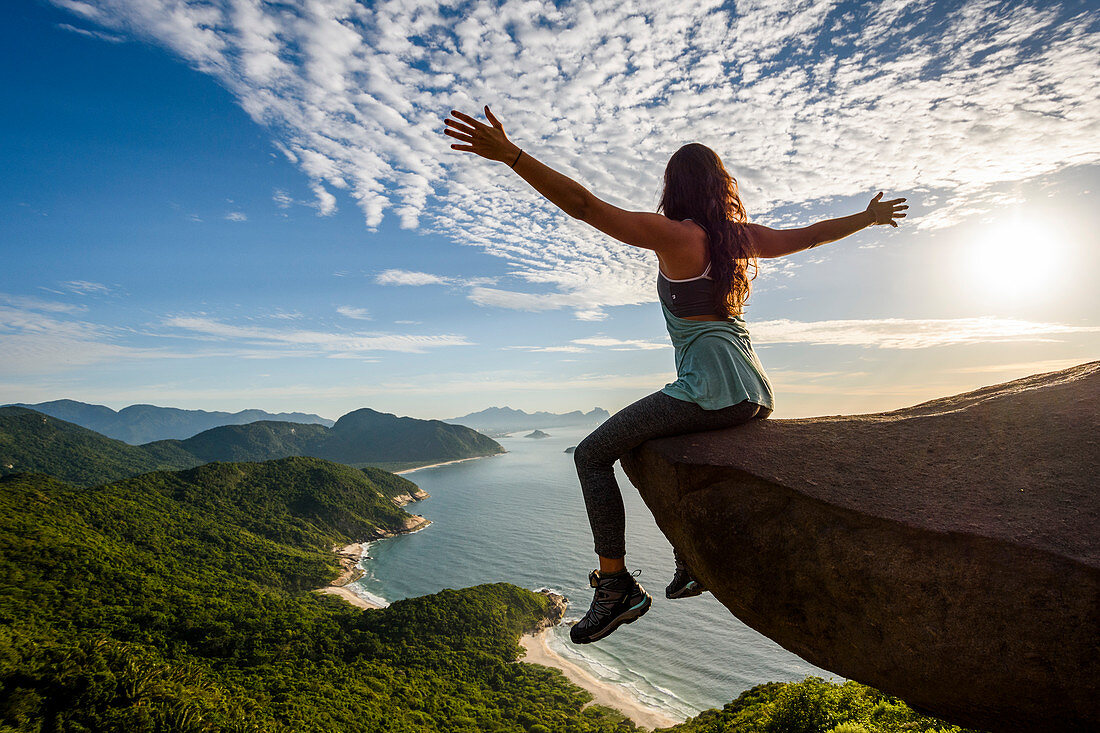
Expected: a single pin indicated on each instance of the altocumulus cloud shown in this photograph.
(954, 98)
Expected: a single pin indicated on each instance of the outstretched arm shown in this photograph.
(491, 142)
(638, 228)
(770, 242)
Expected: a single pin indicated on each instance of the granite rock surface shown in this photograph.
(947, 553)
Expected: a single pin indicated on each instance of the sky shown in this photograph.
(244, 204)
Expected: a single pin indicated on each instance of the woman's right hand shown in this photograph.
(884, 212)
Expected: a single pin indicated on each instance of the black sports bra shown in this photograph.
(691, 297)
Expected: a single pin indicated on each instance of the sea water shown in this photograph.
(519, 517)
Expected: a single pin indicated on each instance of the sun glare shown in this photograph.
(1015, 258)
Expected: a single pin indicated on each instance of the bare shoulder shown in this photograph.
(644, 229)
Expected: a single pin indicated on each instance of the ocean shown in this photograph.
(519, 517)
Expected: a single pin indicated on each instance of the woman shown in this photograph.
(705, 247)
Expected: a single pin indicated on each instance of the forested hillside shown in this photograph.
(31, 442)
(179, 601)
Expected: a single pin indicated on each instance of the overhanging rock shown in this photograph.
(947, 553)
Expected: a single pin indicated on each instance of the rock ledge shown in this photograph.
(947, 553)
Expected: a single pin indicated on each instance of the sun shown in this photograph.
(1014, 258)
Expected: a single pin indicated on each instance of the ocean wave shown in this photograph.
(617, 673)
(366, 595)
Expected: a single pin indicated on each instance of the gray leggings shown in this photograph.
(655, 416)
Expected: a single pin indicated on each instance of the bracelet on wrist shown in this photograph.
(513, 166)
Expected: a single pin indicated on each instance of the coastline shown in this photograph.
(347, 595)
(349, 557)
(539, 652)
(443, 463)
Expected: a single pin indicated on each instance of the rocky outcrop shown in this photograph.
(413, 523)
(947, 553)
(556, 610)
(410, 496)
(348, 556)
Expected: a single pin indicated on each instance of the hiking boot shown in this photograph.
(683, 585)
(618, 600)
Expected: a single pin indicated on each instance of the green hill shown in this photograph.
(258, 441)
(139, 424)
(180, 601)
(360, 438)
(366, 436)
(31, 442)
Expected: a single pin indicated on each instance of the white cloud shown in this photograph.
(308, 342)
(361, 314)
(41, 337)
(621, 344)
(407, 277)
(236, 216)
(28, 303)
(326, 202)
(883, 333)
(282, 199)
(84, 287)
(1029, 367)
(109, 38)
(806, 100)
(903, 333)
(548, 349)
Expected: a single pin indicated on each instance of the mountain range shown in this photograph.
(506, 419)
(31, 441)
(139, 424)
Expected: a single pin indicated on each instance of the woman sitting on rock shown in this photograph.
(705, 248)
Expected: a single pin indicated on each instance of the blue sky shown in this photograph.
(224, 205)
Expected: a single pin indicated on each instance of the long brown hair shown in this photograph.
(697, 186)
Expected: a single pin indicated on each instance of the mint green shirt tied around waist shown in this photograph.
(715, 364)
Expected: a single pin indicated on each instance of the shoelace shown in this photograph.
(605, 601)
(605, 598)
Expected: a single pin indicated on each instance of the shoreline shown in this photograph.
(443, 463)
(349, 557)
(342, 592)
(603, 693)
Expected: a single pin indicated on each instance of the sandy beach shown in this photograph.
(349, 556)
(348, 596)
(539, 652)
(444, 463)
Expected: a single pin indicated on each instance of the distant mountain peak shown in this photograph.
(145, 423)
(509, 419)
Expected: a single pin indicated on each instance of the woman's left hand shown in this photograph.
(484, 140)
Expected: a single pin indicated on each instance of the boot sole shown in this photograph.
(698, 590)
(628, 616)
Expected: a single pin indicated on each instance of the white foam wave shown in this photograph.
(613, 671)
(367, 595)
